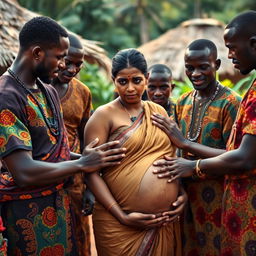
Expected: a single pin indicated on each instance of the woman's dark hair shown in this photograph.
(128, 58)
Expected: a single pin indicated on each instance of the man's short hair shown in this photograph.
(160, 68)
(244, 23)
(74, 41)
(201, 44)
(42, 31)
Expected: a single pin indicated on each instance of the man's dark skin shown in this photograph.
(20, 162)
(73, 64)
(242, 51)
(159, 86)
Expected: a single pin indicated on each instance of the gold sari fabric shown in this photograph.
(144, 143)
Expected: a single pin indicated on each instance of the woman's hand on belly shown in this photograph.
(178, 206)
(144, 221)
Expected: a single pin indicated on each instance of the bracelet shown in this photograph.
(198, 171)
(111, 205)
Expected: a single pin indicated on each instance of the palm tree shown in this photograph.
(142, 12)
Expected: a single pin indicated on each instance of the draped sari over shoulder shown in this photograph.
(133, 185)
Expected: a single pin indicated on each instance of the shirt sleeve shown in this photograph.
(230, 113)
(88, 105)
(249, 119)
(13, 133)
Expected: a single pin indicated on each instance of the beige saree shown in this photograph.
(145, 143)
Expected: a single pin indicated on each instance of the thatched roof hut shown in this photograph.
(169, 48)
(12, 18)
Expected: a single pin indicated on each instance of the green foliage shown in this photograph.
(242, 85)
(180, 88)
(120, 24)
(101, 88)
(117, 24)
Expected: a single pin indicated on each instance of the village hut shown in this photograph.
(169, 48)
(12, 18)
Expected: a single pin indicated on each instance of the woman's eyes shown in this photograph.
(124, 81)
(137, 80)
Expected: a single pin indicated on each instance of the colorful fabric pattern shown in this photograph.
(171, 110)
(76, 106)
(3, 242)
(37, 219)
(202, 220)
(239, 219)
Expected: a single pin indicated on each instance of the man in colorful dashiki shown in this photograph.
(238, 164)
(205, 116)
(35, 206)
(160, 87)
(76, 103)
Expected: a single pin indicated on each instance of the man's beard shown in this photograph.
(43, 74)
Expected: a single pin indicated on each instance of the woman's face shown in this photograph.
(130, 84)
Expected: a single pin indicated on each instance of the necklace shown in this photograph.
(132, 118)
(52, 125)
(198, 131)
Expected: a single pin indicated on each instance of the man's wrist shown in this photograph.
(81, 164)
(197, 170)
(186, 145)
(74, 155)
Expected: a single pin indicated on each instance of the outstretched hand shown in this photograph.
(170, 127)
(174, 168)
(96, 157)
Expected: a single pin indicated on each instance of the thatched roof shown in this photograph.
(169, 48)
(12, 18)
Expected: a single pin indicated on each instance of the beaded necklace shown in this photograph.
(198, 131)
(52, 125)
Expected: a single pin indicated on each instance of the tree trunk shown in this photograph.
(143, 22)
(197, 9)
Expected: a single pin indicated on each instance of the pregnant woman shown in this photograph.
(132, 203)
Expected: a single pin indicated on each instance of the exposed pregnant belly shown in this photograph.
(155, 195)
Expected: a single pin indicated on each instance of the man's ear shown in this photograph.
(37, 53)
(217, 63)
(253, 42)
